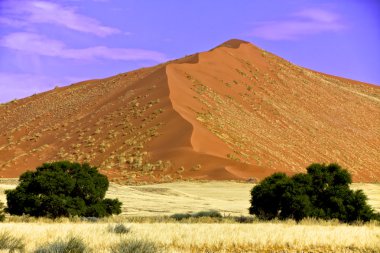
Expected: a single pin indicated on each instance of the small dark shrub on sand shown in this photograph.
(119, 229)
(201, 214)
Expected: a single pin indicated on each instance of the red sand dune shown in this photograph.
(234, 112)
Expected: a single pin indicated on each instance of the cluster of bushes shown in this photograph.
(62, 189)
(322, 193)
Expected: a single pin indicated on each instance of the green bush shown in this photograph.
(322, 193)
(62, 189)
(71, 245)
(11, 243)
(135, 246)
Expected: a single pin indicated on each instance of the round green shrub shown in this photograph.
(62, 189)
(322, 193)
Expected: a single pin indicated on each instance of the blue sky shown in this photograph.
(45, 43)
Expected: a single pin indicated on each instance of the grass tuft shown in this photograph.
(135, 246)
(119, 229)
(71, 245)
(11, 243)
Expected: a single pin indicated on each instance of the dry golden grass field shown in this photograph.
(226, 197)
(215, 237)
(179, 197)
(169, 236)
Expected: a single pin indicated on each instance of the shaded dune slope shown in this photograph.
(234, 112)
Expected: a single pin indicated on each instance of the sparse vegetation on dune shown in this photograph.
(241, 104)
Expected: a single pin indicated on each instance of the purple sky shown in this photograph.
(48, 43)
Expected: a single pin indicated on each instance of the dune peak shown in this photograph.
(233, 43)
